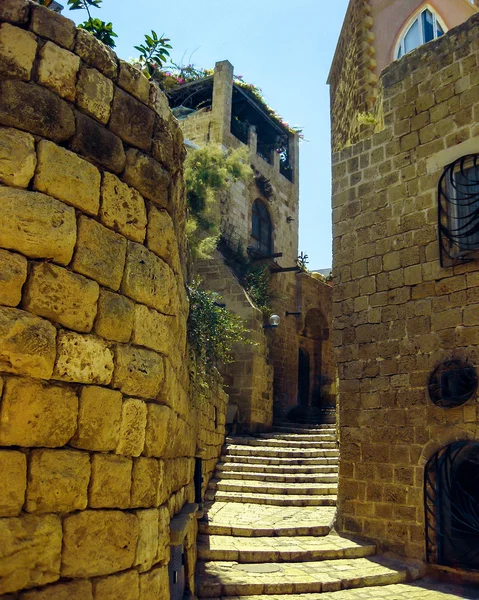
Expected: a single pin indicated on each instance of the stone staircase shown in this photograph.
(267, 529)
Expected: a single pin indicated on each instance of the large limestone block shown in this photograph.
(131, 120)
(155, 585)
(73, 590)
(144, 482)
(110, 481)
(148, 279)
(163, 553)
(100, 253)
(27, 344)
(17, 157)
(168, 148)
(99, 418)
(158, 428)
(161, 238)
(58, 70)
(53, 26)
(57, 481)
(98, 542)
(138, 372)
(98, 144)
(95, 53)
(13, 273)
(155, 330)
(95, 94)
(115, 316)
(17, 52)
(83, 358)
(64, 175)
(148, 177)
(125, 586)
(35, 109)
(147, 548)
(36, 225)
(33, 413)
(133, 81)
(30, 551)
(132, 428)
(15, 11)
(13, 467)
(62, 296)
(122, 208)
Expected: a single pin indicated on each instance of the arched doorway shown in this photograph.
(303, 377)
(312, 337)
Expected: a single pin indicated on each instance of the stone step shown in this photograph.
(273, 477)
(289, 444)
(256, 520)
(242, 450)
(280, 549)
(226, 578)
(309, 437)
(310, 426)
(284, 489)
(303, 430)
(275, 460)
(277, 469)
(274, 499)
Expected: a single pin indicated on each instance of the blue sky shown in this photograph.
(283, 47)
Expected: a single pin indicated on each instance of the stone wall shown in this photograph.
(397, 312)
(99, 428)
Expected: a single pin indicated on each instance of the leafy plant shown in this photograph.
(101, 30)
(302, 262)
(257, 283)
(153, 53)
(366, 118)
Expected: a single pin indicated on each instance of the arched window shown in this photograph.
(261, 230)
(424, 27)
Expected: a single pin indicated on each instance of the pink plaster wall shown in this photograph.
(390, 16)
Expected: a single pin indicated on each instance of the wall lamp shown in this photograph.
(273, 322)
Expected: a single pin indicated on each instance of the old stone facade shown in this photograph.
(99, 426)
(402, 307)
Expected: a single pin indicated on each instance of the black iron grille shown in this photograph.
(452, 383)
(176, 572)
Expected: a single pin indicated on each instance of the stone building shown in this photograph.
(406, 327)
(291, 364)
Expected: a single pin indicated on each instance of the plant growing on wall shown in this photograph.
(101, 30)
(153, 54)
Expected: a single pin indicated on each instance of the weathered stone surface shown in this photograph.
(147, 548)
(83, 358)
(37, 414)
(64, 175)
(13, 273)
(161, 237)
(157, 429)
(53, 26)
(132, 120)
(36, 225)
(154, 585)
(13, 466)
(148, 279)
(98, 144)
(35, 109)
(100, 253)
(72, 590)
(144, 482)
(95, 53)
(115, 316)
(58, 70)
(168, 146)
(122, 208)
(61, 296)
(57, 481)
(147, 176)
(138, 372)
(95, 94)
(30, 551)
(99, 418)
(155, 330)
(17, 52)
(124, 586)
(110, 481)
(98, 542)
(132, 428)
(17, 157)
(163, 553)
(132, 80)
(15, 11)
(27, 344)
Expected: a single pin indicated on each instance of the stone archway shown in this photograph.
(311, 343)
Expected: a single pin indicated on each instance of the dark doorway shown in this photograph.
(452, 506)
(303, 377)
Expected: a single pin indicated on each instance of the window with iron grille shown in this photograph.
(261, 230)
(459, 211)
